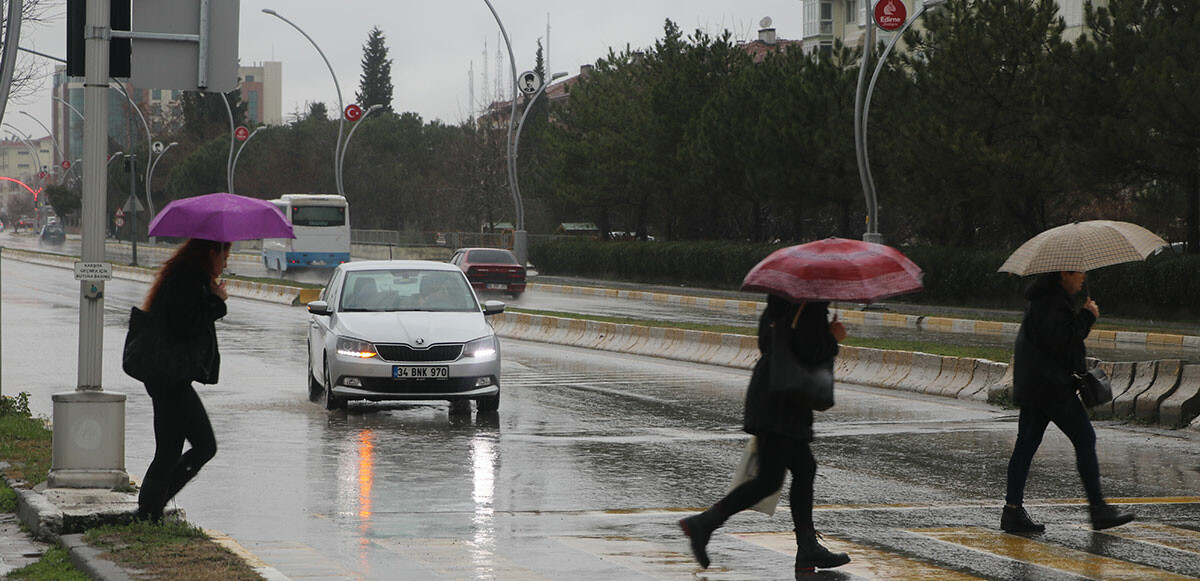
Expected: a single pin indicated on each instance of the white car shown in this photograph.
(402, 330)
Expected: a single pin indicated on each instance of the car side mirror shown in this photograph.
(492, 308)
(319, 308)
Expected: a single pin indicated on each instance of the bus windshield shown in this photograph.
(318, 216)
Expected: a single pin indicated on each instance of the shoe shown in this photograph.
(811, 555)
(699, 528)
(1016, 520)
(1104, 516)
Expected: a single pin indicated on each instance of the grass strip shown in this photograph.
(932, 347)
(171, 550)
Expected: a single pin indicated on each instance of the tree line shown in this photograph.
(988, 125)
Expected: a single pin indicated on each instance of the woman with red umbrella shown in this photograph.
(800, 282)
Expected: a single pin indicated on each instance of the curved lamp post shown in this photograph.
(515, 155)
(153, 163)
(233, 168)
(69, 106)
(149, 144)
(337, 166)
(862, 107)
(519, 234)
(346, 143)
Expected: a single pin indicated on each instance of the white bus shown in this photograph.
(321, 223)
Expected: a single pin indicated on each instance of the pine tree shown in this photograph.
(375, 83)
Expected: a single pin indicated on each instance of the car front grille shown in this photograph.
(405, 353)
(418, 386)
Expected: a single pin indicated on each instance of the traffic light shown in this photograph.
(121, 18)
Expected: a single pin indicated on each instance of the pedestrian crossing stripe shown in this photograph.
(1159, 534)
(1055, 557)
(864, 561)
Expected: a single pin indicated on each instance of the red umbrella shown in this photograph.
(835, 269)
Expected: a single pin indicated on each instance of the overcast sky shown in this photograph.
(433, 43)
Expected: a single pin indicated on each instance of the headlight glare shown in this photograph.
(479, 348)
(347, 347)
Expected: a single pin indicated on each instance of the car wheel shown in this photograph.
(460, 407)
(328, 400)
(314, 386)
(490, 403)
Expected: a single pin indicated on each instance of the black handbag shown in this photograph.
(156, 356)
(795, 380)
(1094, 387)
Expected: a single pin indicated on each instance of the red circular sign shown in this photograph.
(241, 133)
(66, 164)
(119, 222)
(890, 14)
(41, 174)
(353, 112)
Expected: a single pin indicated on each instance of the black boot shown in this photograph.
(699, 528)
(151, 500)
(1104, 516)
(811, 555)
(1016, 520)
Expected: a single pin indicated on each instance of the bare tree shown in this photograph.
(30, 69)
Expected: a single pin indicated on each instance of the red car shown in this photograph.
(491, 269)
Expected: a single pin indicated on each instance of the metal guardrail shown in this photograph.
(452, 240)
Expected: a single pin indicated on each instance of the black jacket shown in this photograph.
(1049, 349)
(187, 306)
(812, 343)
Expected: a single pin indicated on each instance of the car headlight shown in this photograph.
(348, 347)
(480, 348)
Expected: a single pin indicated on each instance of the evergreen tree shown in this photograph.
(375, 83)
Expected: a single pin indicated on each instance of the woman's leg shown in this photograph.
(1073, 420)
(804, 475)
(169, 435)
(772, 463)
(199, 433)
(1031, 426)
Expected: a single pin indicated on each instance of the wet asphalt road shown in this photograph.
(592, 458)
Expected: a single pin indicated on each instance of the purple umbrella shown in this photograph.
(221, 217)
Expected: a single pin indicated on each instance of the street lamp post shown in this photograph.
(520, 246)
(53, 139)
(154, 163)
(519, 234)
(337, 167)
(862, 108)
(346, 144)
(149, 140)
(233, 168)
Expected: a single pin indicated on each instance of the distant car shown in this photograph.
(402, 330)
(26, 223)
(491, 269)
(53, 234)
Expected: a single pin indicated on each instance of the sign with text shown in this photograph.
(93, 271)
(241, 133)
(890, 14)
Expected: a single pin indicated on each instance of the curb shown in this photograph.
(1168, 401)
(873, 318)
(88, 560)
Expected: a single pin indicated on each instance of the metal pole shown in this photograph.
(233, 169)
(337, 171)
(48, 132)
(154, 164)
(12, 38)
(512, 167)
(520, 248)
(346, 143)
(133, 206)
(232, 133)
(149, 139)
(872, 233)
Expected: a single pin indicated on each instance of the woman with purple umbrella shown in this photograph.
(187, 298)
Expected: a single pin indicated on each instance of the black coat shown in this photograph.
(1049, 349)
(813, 343)
(187, 306)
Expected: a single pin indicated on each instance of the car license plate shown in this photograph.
(420, 372)
(496, 286)
(318, 263)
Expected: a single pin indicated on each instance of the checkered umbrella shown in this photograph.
(835, 269)
(1082, 246)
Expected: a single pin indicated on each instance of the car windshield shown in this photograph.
(407, 290)
(492, 257)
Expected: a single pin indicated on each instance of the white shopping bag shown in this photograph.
(747, 469)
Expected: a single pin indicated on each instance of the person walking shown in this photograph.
(187, 298)
(1048, 358)
(784, 430)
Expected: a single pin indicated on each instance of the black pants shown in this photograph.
(1072, 419)
(777, 454)
(178, 416)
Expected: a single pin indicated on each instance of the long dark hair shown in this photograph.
(195, 255)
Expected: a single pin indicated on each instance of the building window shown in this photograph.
(156, 95)
(810, 18)
(175, 95)
(249, 78)
(252, 106)
(851, 11)
(826, 16)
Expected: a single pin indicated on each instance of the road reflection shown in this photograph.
(484, 460)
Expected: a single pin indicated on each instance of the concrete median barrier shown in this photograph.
(1184, 404)
(925, 370)
(1166, 380)
(1121, 375)
(1143, 378)
(986, 374)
